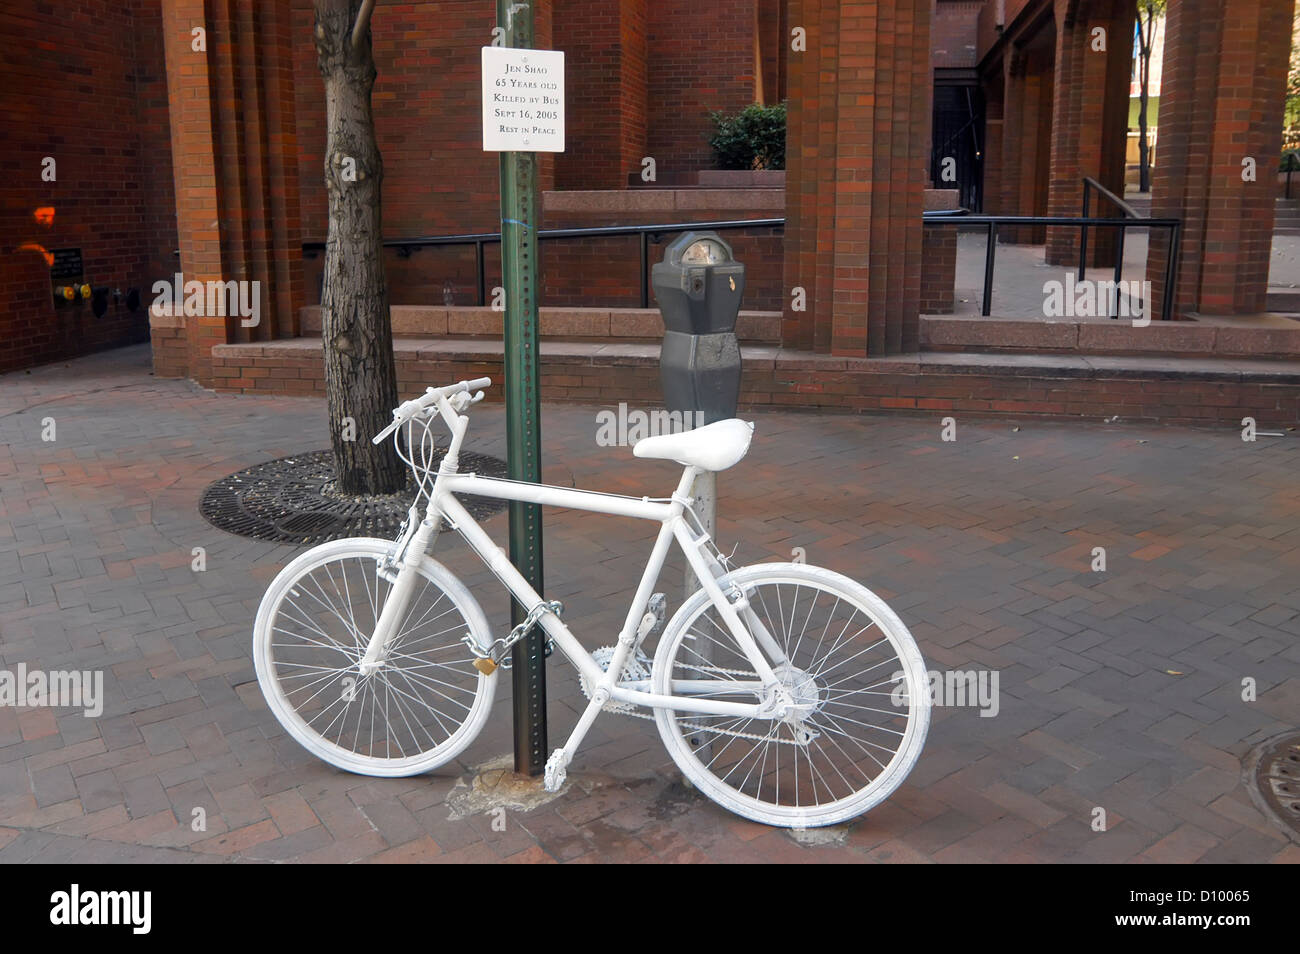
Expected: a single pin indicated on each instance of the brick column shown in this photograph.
(1221, 102)
(1026, 125)
(198, 232)
(1089, 118)
(235, 164)
(994, 162)
(856, 160)
(938, 255)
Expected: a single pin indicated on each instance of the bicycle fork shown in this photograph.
(399, 597)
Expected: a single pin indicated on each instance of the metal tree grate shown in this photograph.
(1277, 779)
(294, 500)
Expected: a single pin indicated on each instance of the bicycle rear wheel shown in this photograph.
(851, 667)
(424, 704)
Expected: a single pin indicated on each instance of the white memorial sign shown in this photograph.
(523, 100)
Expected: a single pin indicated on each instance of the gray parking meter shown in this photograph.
(698, 287)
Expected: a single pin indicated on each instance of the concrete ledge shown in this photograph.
(941, 200)
(1205, 337)
(756, 203)
(1217, 391)
(596, 323)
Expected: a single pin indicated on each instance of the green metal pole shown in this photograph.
(520, 275)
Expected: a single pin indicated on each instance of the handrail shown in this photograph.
(651, 229)
(1090, 183)
(935, 217)
(991, 223)
(479, 239)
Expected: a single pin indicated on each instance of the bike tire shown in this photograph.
(738, 763)
(419, 710)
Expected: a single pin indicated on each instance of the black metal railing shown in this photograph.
(646, 233)
(653, 233)
(1089, 183)
(1130, 220)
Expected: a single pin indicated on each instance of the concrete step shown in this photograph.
(1286, 216)
(1283, 302)
(602, 324)
(1265, 336)
(1216, 391)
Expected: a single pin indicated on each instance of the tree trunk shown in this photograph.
(356, 329)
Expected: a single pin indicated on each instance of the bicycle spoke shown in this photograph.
(423, 690)
(830, 677)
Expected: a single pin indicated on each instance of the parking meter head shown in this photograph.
(698, 285)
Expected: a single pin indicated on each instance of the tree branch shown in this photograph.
(363, 23)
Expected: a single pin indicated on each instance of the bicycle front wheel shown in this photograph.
(859, 686)
(419, 709)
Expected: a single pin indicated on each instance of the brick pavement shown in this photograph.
(1119, 690)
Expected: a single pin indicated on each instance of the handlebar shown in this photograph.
(408, 409)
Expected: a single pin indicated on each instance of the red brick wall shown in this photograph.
(938, 268)
(596, 271)
(605, 59)
(437, 178)
(953, 32)
(701, 60)
(85, 85)
(619, 56)
(605, 272)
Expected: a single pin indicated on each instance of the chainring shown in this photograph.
(636, 668)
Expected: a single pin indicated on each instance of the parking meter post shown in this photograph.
(520, 277)
(705, 492)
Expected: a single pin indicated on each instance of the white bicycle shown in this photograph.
(787, 693)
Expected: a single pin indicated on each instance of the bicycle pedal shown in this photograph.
(658, 605)
(556, 771)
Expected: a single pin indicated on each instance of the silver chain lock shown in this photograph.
(498, 656)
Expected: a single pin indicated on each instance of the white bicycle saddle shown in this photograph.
(715, 446)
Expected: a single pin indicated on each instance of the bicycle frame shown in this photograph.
(442, 502)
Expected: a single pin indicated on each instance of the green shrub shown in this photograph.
(753, 138)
